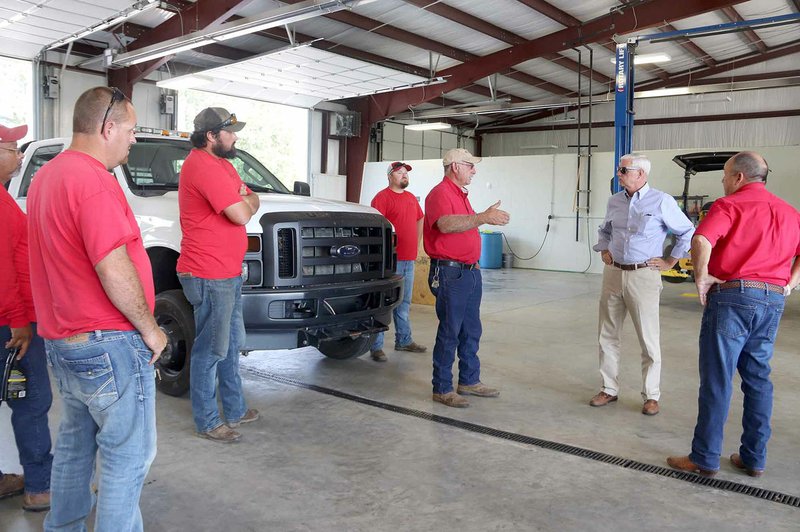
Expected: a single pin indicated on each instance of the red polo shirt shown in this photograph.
(402, 209)
(77, 215)
(755, 235)
(16, 302)
(445, 199)
(212, 247)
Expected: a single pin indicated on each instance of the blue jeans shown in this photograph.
(108, 394)
(215, 354)
(737, 332)
(29, 415)
(402, 325)
(458, 307)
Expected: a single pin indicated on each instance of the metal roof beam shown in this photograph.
(749, 35)
(692, 48)
(470, 21)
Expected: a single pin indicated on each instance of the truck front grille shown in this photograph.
(287, 239)
(341, 251)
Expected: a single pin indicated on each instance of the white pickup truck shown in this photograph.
(316, 272)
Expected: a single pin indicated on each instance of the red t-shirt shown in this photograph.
(212, 247)
(403, 210)
(77, 215)
(755, 235)
(16, 302)
(448, 198)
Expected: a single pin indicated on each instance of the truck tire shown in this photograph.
(174, 315)
(344, 348)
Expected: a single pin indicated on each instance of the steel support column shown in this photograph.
(623, 107)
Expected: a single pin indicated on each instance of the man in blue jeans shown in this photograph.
(402, 209)
(452, 241)
(746, 257)
(215, 206)
(93, 291)
(18, 330)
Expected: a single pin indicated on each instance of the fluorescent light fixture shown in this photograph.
(139, 7)
(184, 82)
(281, 16)
(539, 147)
(428, 126)
(641, 59)
(698, 99)
(658, 93)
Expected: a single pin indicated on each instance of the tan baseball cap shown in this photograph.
(459, 155)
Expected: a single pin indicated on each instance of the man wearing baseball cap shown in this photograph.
(215, 205)
(402, 209)
(451, 238)
(18, 330)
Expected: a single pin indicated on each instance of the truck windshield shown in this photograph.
(154, 167)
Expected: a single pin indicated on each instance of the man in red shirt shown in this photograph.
(93, 290)
(746, 256)
(18, 330)
(402, 209)
(215, 206)
(450, 235)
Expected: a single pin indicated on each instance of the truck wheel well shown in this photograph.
(163, 262)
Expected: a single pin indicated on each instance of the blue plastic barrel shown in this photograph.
(491, 250)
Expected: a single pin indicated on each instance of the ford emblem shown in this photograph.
(348, 250)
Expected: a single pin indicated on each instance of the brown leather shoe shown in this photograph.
(650, 407)
(11, 485)
(222, 434)
(248, 417)
(685, 464)
(602, 399)
(378, 355)
(736, 460)
(413, 347)
(36, 502)
(479, 389)
(451, 399)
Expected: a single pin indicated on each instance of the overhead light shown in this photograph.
(428, 126)
(184, 82)
(270, 19)
(697, 99)
(539, 147)
(641, 59)
(139, 7)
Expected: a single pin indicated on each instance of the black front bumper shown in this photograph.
(286, 318)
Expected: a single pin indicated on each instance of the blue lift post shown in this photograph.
(623, 107)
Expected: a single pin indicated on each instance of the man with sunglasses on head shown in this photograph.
(93, 291)
(18, 331)
(746, 258)
(215, 205)
(452, 241)
(631, 243)
(402, 209)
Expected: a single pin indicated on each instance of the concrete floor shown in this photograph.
(316, 462)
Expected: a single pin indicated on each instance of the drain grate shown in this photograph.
(726, 485)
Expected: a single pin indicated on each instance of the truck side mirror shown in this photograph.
(302, 189)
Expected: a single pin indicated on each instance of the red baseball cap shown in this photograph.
(396, 166)
(12, 134)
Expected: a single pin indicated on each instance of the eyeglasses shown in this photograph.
(229, 122)
(471, 165)
(15, 150)
(116, 96)
(625, 169)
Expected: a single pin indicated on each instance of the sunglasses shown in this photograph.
(116, 96)
(227, 123)
(625, 169)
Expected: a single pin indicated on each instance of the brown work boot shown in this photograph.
(736, 460)
(451, 399)
(650, 407)
(36, 502)
(248, 417)
(378, 355)
(684, 463)
(222, 434)
(11, 485)
(479, 389)
(602, 399)
(413, 347)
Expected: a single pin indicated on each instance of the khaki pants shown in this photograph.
(637, 292)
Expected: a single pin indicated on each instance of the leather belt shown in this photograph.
(454, 264)
(630, 266)
(761, 285)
